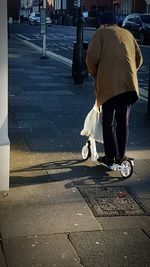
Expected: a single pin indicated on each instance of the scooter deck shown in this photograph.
(113, 167)
(125, 168)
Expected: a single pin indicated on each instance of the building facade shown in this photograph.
(65, 10)
(118, 6)
(13, 9)
(139, 6)
(148, 6)
(92, 6)
(26, 7)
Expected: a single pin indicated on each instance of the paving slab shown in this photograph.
(2, 259)
(48, 145)
(140, 153)
(17, 141)
(146, 204)
(47, 134)
(141, 186)
(33, 160)
(128, 222)
(29, 177)
(21, 160)
(46, 251)
(40, 123)
(112, 248)
(34, 116)
(47, 219)
(142, 167)
(46, 193)
(76, 169)
(142, 189)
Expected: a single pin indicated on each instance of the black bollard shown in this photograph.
(148, 104)
(78, 78)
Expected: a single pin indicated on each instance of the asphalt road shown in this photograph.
(60, 40)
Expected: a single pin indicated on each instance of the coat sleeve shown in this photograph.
(138, 56)
(93, 54)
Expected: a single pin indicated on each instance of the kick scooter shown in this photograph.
(89, 150)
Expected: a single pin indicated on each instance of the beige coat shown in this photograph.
(113, 58)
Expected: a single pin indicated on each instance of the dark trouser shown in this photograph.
(115, 126)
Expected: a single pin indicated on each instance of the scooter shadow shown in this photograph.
(75, 171)
(94, 174)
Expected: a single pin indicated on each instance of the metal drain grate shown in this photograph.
(107, 201)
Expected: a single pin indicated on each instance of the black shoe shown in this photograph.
(106, 160)
(120, 160)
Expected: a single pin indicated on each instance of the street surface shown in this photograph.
(60, 210)
(60, 40)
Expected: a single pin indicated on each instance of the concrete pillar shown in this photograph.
(4, 140)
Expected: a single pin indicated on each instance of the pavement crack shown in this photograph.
(2, 248)
(30, 148)
(79, 258)
(47, 173)
(145, 233)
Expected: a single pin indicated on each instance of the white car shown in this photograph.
(35, 19)
(48, 21)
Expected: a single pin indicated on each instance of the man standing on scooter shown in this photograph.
(113, 58)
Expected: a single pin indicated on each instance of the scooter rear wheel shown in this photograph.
(126, 169)
(86, 152)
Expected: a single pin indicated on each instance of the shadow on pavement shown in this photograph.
(76, 171)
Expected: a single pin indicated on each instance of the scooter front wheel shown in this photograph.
(126, 168)
(86, 152)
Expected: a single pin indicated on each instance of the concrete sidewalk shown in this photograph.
(61, 211)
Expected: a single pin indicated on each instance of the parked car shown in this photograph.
(139, 26)
(120, 19)
(35, 18)
(48, 21)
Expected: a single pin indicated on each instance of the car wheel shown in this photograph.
(141, 38)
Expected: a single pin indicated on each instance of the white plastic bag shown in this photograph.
(93, 124)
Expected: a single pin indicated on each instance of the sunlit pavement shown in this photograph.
(61, 210)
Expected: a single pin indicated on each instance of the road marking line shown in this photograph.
(143, 98)
(48, 53)
(145, 46)
(143, 94)
(36, 34)
(22, 36)
(64, 48)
